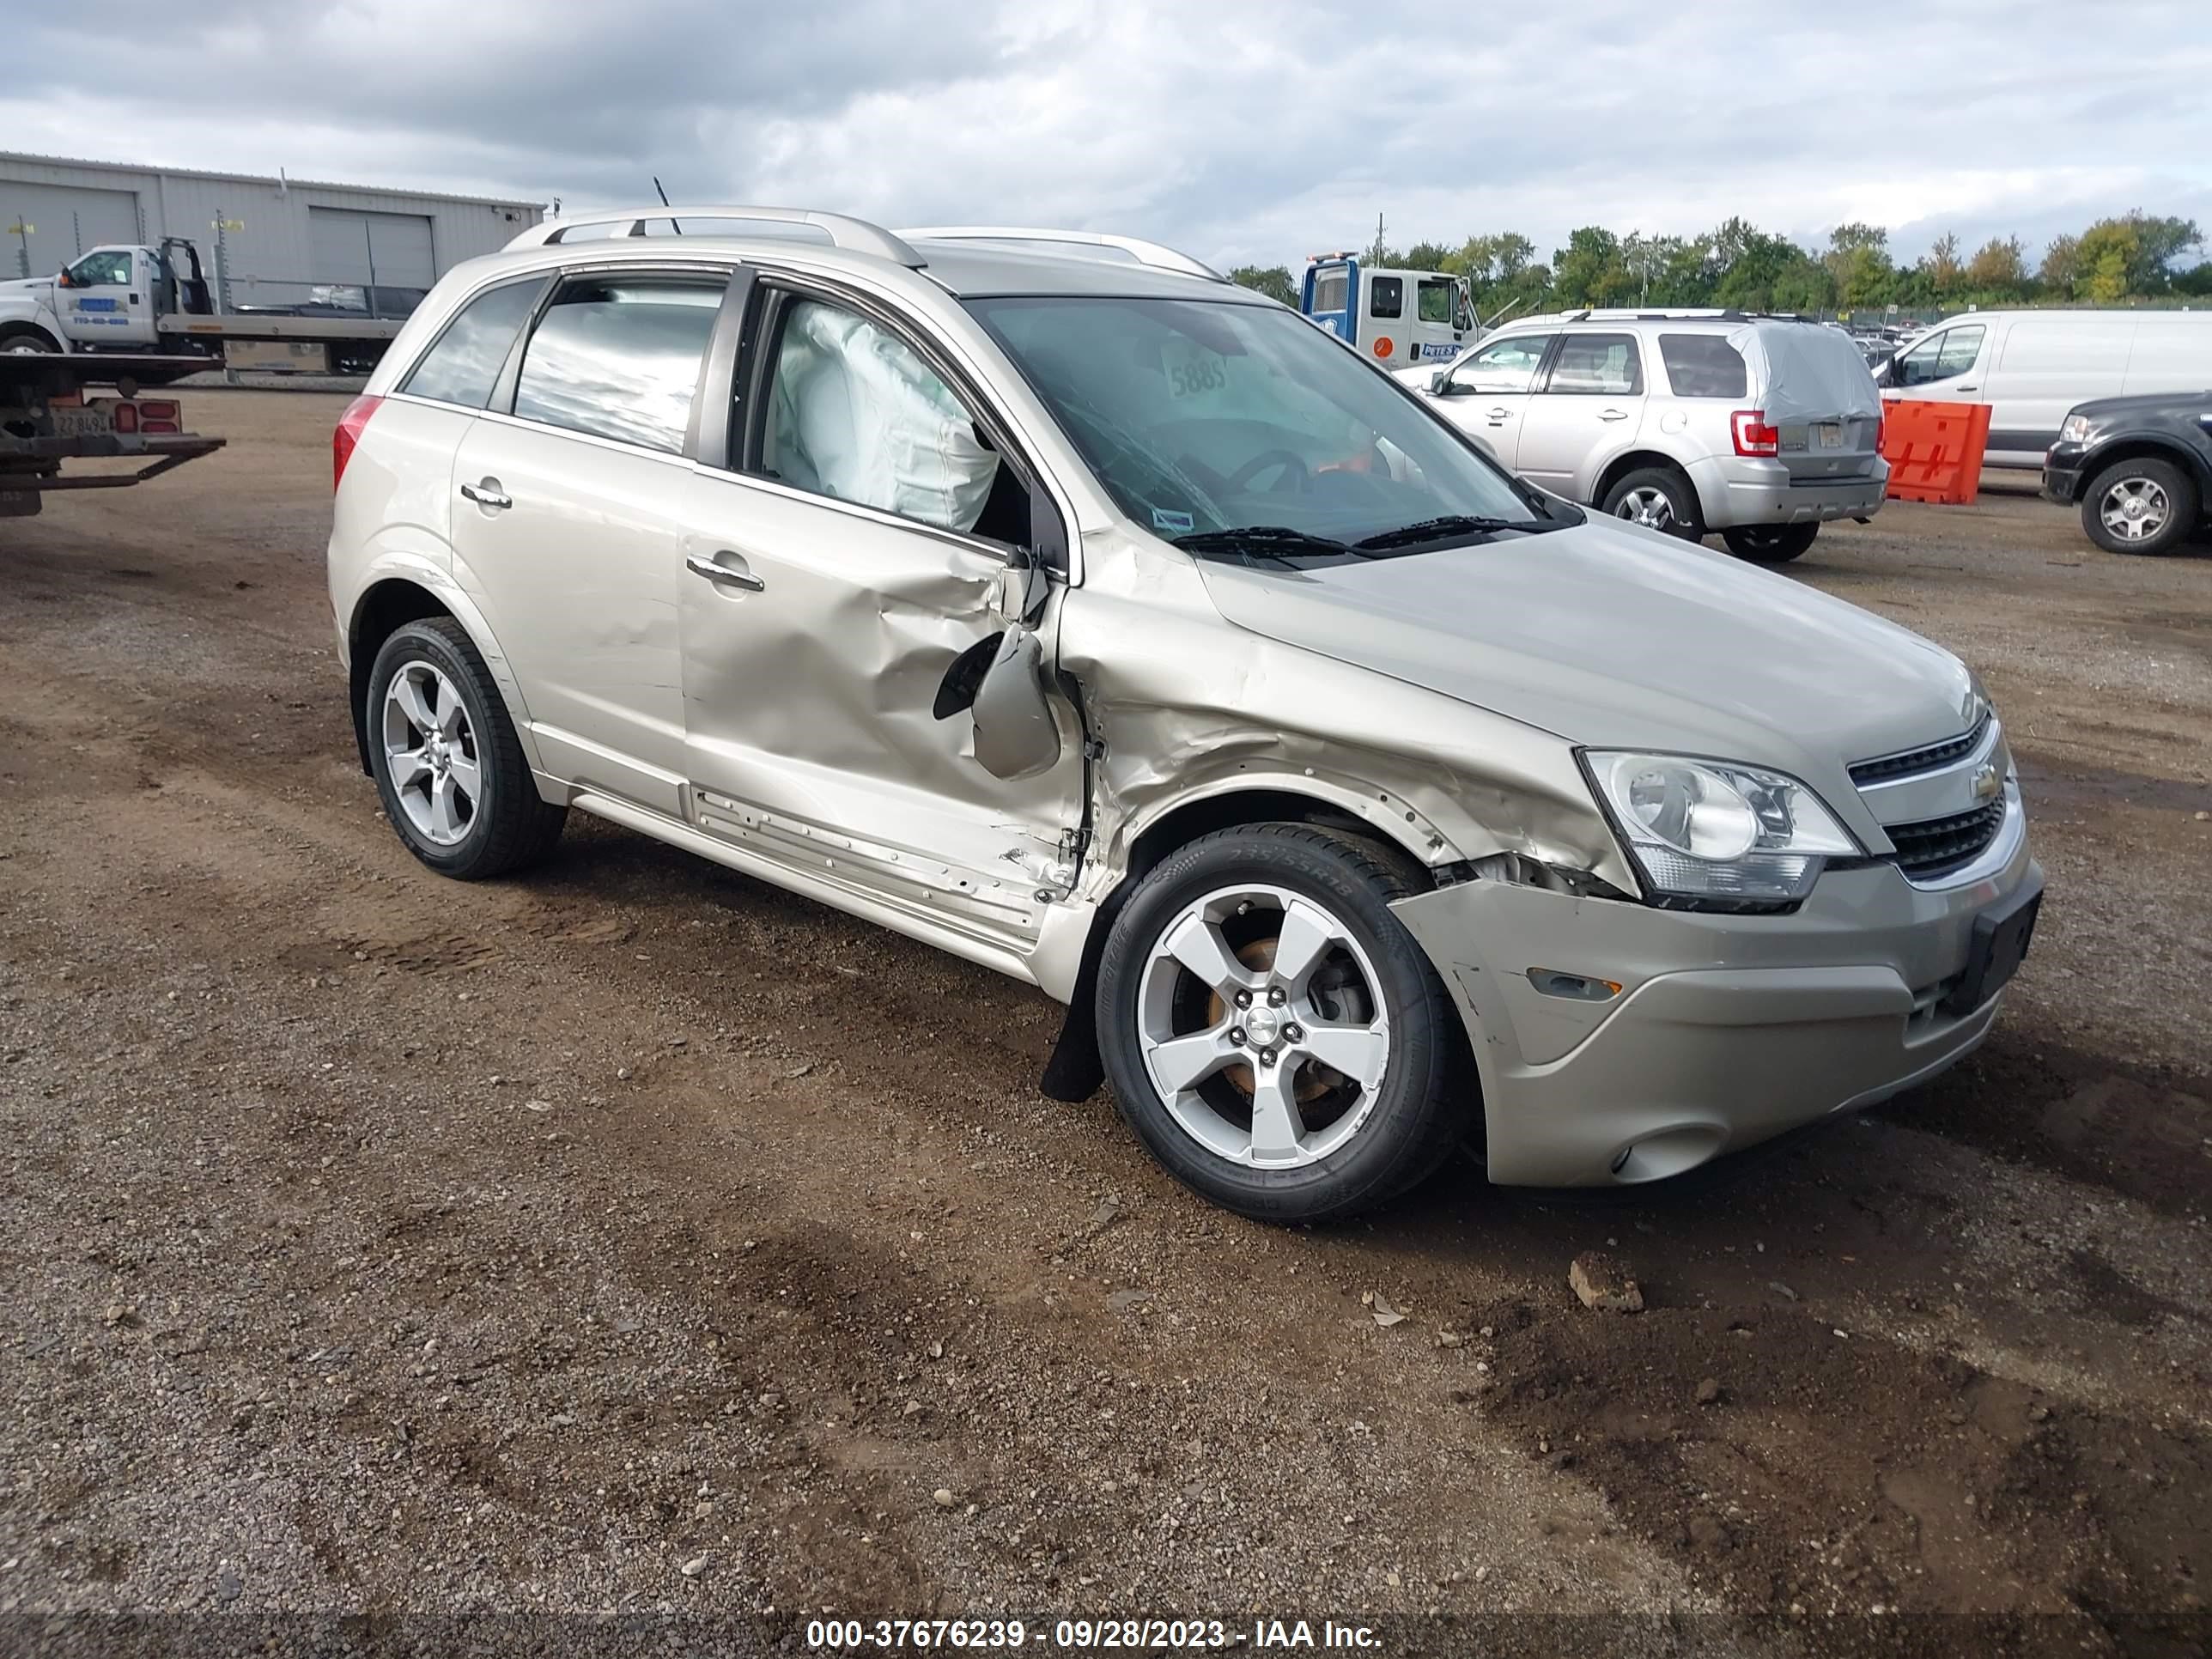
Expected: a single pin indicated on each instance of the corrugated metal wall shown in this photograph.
(272, 259)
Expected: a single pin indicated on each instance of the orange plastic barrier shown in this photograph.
(1935, 450)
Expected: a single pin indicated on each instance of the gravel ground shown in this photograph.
(638, 1242)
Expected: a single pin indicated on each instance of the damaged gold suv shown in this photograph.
(1050, 599)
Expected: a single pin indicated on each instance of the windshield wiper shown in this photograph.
(1273, 539)
(1452, 524)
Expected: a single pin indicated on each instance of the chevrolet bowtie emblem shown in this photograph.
(1986, 782)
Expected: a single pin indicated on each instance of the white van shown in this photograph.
(2035, 366)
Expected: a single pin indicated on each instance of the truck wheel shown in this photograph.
(1658, 498)
(1769, 544)
(2141, 506)
(24, 338)
(448, 765)
(1273, 1033)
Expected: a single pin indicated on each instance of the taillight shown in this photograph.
(159, 416)
(123, 414)
(1880, 427)
(348, 433)
(1751, 433)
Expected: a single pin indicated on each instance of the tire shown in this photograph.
(1659, 498)
(505, 824)
(24, 338)
(1769, 544)
(1329, 1146)
(2142, 506)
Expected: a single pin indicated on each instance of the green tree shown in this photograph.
(2062, 264)
(1273, 280)
(1760, 272)
(1999, 268)
(1590, 270)
(1502, 274)
(1858, 260)
(1426, 256)
(1940, 265)
(2196, 281)
(2111, 254)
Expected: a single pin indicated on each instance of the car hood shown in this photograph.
(27, 287)
(2104, 411)
(1613, 636)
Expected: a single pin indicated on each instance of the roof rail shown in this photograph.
(1155, 254)
(856, 235)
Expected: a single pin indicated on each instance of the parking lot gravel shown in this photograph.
(636, 1241)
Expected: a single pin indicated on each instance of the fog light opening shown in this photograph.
(1575, 988)
(1669, 1152)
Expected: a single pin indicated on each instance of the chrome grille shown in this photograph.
(1911, 761)
(1935, 847)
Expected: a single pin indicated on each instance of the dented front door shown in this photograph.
(821, 732)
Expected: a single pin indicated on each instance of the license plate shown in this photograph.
(82, 422)
(1829, 435)
(2001, 936)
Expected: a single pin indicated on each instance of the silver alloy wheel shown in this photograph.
(23, 345)
(1291, 1028)
(2135, 509)
(1647, 506)
(430, 750)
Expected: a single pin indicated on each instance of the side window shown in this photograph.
(1436, 302)
(1703, 365)
(464, 365)
(1386, 297)
(1940, 356)
(1503, 365)
(108, 270)
(619, 354)
(853, 413)
(1598, 365)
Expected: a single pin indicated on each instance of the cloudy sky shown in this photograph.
(1243, 132)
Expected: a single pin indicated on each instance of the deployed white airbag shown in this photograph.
(1812, 371)
(860, 417)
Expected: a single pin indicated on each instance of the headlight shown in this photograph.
(1711, 829)
(2075, 431)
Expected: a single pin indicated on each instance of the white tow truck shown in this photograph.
(131, 298)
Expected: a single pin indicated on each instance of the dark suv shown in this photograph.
(2141, 467)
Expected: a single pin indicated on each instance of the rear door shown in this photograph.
(569, 528)
(1586, 408)
(1486, 393)
(1386, 330)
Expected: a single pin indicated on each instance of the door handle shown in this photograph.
(1612, 414)
(486, 493)
(736, 575)
(1501, 414)
(1970, 388)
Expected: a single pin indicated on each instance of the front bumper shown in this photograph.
(2063, 478)
(1728, 1029)
(1737, 491)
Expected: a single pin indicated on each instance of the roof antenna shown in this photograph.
(664, 202)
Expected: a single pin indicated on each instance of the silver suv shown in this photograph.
(1051, 600)
(1761, 428)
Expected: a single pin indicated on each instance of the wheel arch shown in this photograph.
(388, 603)
(2148, 446)
(1636, 460)
(1075, 1071)
(18, 328)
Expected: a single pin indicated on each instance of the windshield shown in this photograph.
(1206, 419)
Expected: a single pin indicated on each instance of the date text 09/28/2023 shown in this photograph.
(1085, 1634)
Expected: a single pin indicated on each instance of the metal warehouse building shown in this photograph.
(277, 239)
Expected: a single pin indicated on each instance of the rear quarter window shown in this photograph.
(618, 357)
(464, 366)
(1703, 365)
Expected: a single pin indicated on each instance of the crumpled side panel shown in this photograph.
(1184, 711)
